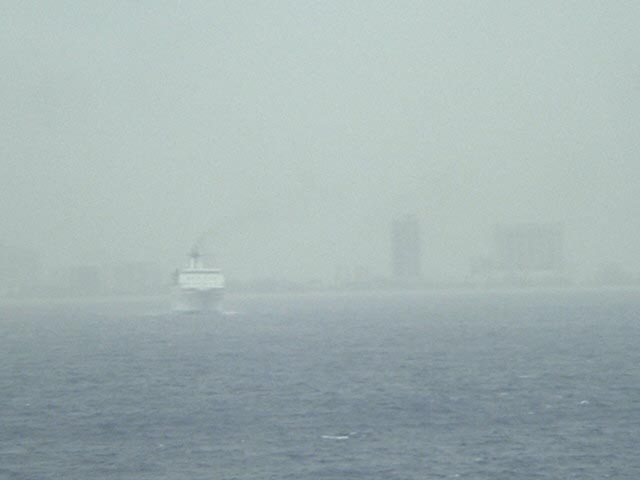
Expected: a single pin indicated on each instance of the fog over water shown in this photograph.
(297, 131)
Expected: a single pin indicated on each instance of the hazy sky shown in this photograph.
(296, 131)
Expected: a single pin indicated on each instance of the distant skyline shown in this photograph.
(295, 132)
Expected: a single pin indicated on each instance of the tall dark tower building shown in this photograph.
(406, 248)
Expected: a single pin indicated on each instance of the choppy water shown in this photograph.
(501, 386)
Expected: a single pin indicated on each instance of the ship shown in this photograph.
(196, 288)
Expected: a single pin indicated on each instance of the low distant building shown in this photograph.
(406, 248)
(136, 278)
(20, 270)
(524, 254)
(529, 252)
(529, 248)
(613, 274)
(85, 280)
(353, 276)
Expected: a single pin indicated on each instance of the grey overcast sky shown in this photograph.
(296, 130)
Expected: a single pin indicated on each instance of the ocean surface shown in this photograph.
(520, 385)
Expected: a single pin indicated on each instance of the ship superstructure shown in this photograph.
(197, 288)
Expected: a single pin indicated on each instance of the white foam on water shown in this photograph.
(335, 437)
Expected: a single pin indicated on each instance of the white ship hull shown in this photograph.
(196, 288)
(186, 300)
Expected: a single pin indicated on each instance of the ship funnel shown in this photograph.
(195, 258)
